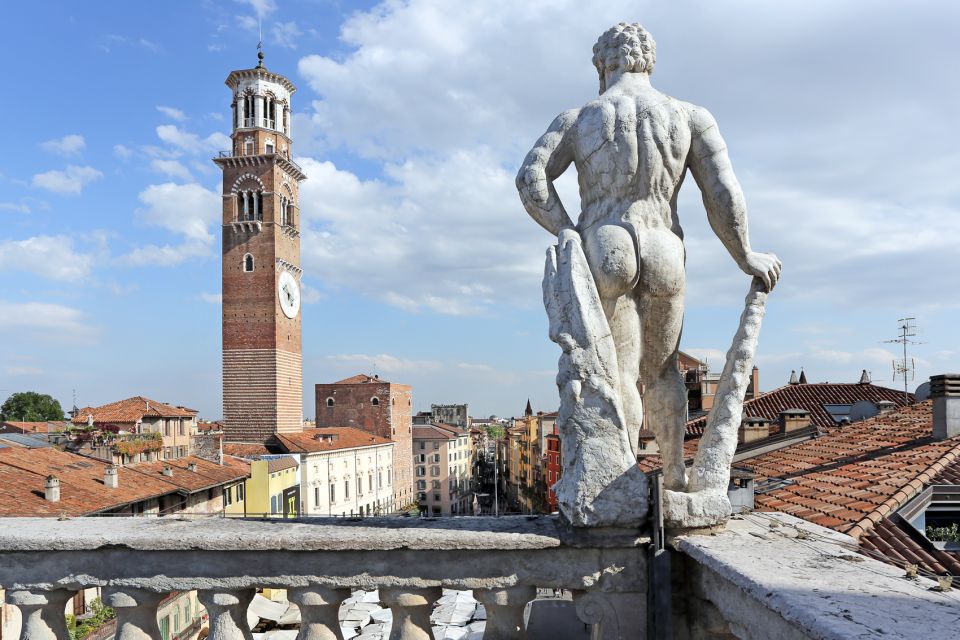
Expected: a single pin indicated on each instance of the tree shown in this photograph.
(495, 432)
(30, 406)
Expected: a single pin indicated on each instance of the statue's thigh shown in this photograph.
(612, 256)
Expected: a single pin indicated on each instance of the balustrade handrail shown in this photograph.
(137, 561)
(230, 154)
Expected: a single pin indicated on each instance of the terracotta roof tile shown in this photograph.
(34, 427)
(896, 542)
(132, 410)
(812, 398)
(360, 378)
(206, 474)
(328, 439)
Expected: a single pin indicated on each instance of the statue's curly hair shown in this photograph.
(626, 46)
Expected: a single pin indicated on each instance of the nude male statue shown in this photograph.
(632, 147)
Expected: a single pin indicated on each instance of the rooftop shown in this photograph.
(815, 398)
(49, 426)
(132, 410)
(328, 439)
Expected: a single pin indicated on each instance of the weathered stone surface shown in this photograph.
(757, 582)
(632, 147)
(705, 503)
(601, 483)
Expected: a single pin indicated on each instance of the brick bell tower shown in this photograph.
(262, 362)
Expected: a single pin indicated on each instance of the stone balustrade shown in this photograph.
(138, 561)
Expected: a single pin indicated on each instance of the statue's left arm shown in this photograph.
(549, 158)
(723, 197)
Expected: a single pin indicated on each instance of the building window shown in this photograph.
(228, 496)
(370, 481)
(421, 484)
(436, 445)
(359, 486)
(375, 401)
(329, 402)
(248, 263)
(240, 492)
(273, 504)
(346, 489)
(269, 147)
(423, 445)
(389, 476)
(434, 471)
(316, 496)
(333, 492)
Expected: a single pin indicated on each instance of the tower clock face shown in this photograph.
(289, 293)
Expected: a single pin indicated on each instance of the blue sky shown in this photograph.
(411, 119)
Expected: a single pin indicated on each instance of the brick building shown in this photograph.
(262, 362)
(378, 407)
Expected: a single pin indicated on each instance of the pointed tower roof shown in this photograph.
(864, 377)
(529, 410)
(803, 377)
(793, 377)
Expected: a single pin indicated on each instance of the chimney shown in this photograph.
(793, 420)
(192, 467)
(51, 489)
(753, 429)
(168, 471)
(755, 382)
(803, 376)
(883, 406)
(945, 392)
(793, 377)
(89, 419)
(864, 377)
(110, 477)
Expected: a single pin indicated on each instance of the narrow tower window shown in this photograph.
(248, 263)
(375, 401)
(329, 402)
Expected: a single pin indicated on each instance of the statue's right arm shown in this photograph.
(548, 159)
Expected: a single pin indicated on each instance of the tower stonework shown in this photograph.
(378, 407)
(262, 362)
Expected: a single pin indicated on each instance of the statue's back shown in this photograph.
(630, 152)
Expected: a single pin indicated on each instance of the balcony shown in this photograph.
(284, 161)
(755, 580)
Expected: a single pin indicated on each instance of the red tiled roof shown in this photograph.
(242, 450)
(432, 432)
(897, 544)
(360, 378)
(34, 427)
(343, 438)
(23, 473)
(132, 410)
(810, 397)
(208, 473)
(206, 425)
(853, 476)
(279, 464)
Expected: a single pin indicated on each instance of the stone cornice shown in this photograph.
(249, 74)
(291, 168)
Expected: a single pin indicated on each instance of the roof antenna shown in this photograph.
(905, 366)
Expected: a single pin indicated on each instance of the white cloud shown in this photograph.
(19, 207)
(286, 34)
(714, 357)
(52, 323)
(212, 298)
(171, 168)
(50, 257)
(191, 142)
(261, 8)
(68, 145)
(384, 362)
(20, 371)
(122, 151)
(471, 366)
(70, 181)
(173, 114)
(184, 209)
(310, 295)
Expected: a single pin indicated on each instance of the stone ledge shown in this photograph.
(305, 534)
(816, 586)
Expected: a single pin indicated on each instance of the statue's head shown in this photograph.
(626, 47)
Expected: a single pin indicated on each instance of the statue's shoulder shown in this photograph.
(700, 118)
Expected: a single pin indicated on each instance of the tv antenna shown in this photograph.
(905, 367)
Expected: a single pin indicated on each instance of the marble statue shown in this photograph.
(614, 285)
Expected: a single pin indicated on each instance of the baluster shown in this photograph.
(319, 611)
(411, 611)
(136, 612)
(227, 609)
(505, 611)
(41, 613)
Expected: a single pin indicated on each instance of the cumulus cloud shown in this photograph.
(173, 114)
(18, 207)
(211, 298)
(70, 181)
(383, 362)
(122, 151)
(171, 168)
(187, 210)
(50, 257)
(191, 142)
(286, 34)
(68, 145)
(52, 323)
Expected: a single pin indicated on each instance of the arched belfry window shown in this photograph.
(329, 402)
(375, 401)
(248, 263)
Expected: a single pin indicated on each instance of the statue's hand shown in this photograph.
(765, 266)
(567, 234)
